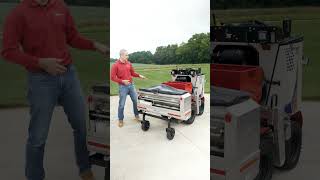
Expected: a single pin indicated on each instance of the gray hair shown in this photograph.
(122, 51)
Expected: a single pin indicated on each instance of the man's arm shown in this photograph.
(74, 39)
(133, 73)
(12, 35)
(113, 74)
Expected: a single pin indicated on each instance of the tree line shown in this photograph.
(196, 50)
(227, 4)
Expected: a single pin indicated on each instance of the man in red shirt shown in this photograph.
(122, 73)
(37, 35)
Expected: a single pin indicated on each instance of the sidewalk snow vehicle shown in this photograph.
(256, 119)
(98, 127)
(178, 100)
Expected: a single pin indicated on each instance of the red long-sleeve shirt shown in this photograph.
(32, 32)
(122, 71)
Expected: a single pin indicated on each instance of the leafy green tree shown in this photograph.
(195, 50)
(166, 54)
(145, 57)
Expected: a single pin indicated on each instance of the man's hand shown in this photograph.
(52, 66)
(142, 77)
(126, 82)
(101, 48)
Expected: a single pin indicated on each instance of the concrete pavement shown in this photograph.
(59, 157)
(139, 155)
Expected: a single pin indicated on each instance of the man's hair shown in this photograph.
(122, 51)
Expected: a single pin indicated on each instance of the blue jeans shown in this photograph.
(44, 93)
(123, 92)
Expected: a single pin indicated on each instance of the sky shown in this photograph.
(143, 25)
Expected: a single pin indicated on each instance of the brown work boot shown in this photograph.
(87, 175)
(120, 123)
(137, 119)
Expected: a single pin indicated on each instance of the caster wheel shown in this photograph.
(170, 133)
(145, 125)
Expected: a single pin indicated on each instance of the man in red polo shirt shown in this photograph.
(122, 73)
(37, 35)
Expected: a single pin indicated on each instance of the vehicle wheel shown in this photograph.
(145, 125)
(201, 108)
(265, 168)
(107, 173)
(293, 147)
(170, 133)
(266, 159)
(192, 117)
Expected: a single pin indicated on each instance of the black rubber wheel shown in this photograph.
(201, 108)
(293, 147)
(145, 125)
(192, 117)
(265, 168)
(170, 133)
(107, 173)
(266, 159)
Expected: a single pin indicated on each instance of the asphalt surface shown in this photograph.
(139, 155)
(59, 157)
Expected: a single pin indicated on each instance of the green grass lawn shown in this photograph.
(306, 22)
(92, 67)
(157, 74)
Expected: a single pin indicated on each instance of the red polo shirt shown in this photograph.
(122, 71)
(32, 31)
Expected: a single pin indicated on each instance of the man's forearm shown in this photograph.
(19, 57)
(80, 42)
(133, 73)
(116, 79)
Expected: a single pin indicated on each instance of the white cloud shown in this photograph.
(143, 25)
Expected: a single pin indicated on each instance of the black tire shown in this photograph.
(107, 172)
(266, 159)
(170, 133)
(145, 125)
(201, 108)
(192, 117)
(265, 168)
(293, 147)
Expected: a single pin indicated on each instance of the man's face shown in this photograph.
(124, 56)
(42, 2)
